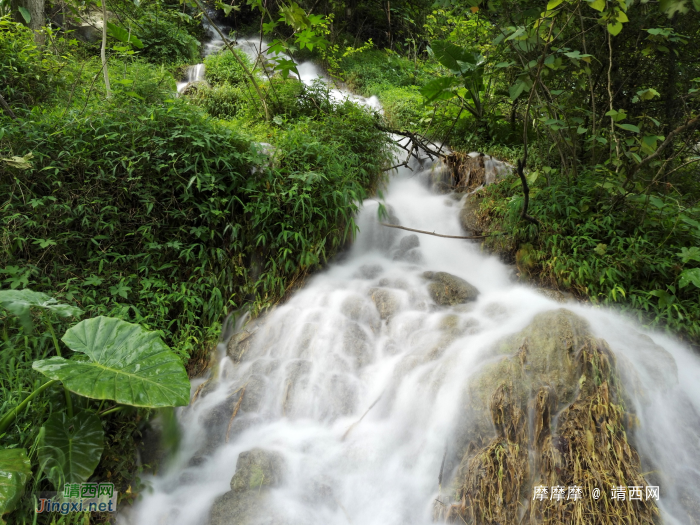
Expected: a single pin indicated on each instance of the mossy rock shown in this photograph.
(548, 409)
(448, 290)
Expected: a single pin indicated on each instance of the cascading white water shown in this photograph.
(364, 331)
(194, 73)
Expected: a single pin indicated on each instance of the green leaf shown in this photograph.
(598, 5)
(689, 254)
(628, 127)
(128, 364)
(648, 94)
(581, 130)
(553, 4)
(438, 89)
(691, 275)
(615, 28)
(18, 302)
(123, 35)
(516, 89)
(25, 14)
(71, 447)
(450, 55)
(15, 470)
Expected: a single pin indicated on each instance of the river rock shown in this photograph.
(239, 344)
(386, 302)
(447, 289)
(356, 344)
(468, 217)
(547, 409)
(257, 471)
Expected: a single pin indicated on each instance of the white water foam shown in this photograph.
(385, 471)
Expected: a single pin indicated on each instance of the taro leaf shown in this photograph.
(15, 470)
(439, 89)
(450, 55)
(128, 364)
(123, 35)
(691, 275)
(19, 302)
(71, 447)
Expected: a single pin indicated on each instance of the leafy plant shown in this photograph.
(127, 364)
(15, 470)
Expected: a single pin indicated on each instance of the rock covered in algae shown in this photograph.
(257, 471)
(447, 289)
(547, 410)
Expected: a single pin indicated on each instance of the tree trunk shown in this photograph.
(103, 53)
(35, 8)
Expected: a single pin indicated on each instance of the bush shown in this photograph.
(623, 253)
(223, 101)
(165, 42)
(27, 71)
(366, 72)
(222, 67)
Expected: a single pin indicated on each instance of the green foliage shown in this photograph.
(626, 255)
(28, 72)
(127, 364)
(71, 447)
(164, 41)
(15, 470)
(368, 72)
(222, 68)
(19, 302)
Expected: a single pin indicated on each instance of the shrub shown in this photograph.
(27, 71)
(222, 67)
(165, 42)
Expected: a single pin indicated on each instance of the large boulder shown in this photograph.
(468, 215)
(448, 290)
(547, 409)
(257, 471)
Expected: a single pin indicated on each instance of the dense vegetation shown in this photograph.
(171, 212)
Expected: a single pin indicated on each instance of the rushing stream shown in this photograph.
(365, 338)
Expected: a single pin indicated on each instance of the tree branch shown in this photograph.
(436, 234)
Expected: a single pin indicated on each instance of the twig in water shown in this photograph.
(363, 416)
(235, 411)
(437, 234)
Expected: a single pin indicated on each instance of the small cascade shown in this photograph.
(359, 399)
(193, 74)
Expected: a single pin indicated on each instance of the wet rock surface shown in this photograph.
(386, 301)
(257, 471)
(547, 410)
(447, 289)
(468, 217)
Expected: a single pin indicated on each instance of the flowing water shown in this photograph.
(318, 362)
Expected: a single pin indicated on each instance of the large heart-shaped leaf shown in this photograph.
(451, 56)
(15, 470)
(439, 89)
(127, 364)
(71, 447)
(19, 302)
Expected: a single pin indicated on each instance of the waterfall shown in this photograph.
(355, 387)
